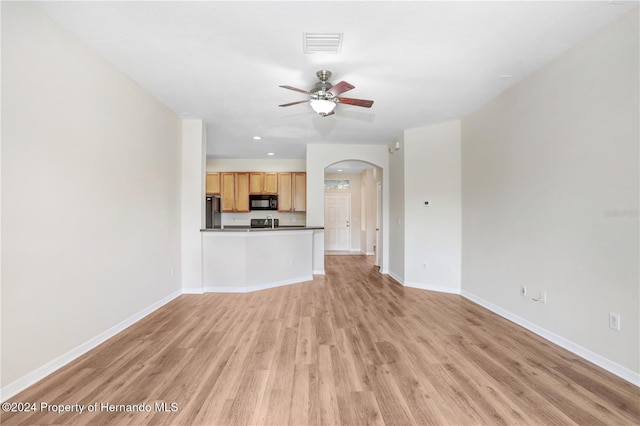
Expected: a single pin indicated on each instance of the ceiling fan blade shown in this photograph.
(341, 87)
(294, 103)
(327, 114)
(357, 102)
(295, 89)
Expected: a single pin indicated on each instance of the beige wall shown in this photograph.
(432, 232)
(90, 198)
(544, 165)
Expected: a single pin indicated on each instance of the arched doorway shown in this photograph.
(351, 208)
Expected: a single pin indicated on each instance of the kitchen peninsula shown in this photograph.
(242, 259)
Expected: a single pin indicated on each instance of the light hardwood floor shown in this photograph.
(353, 347)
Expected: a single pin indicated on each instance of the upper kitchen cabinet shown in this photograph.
(270, 183)
(228, 192)
(285, 181)
(292, 192)
(213, 183)
(299, 194)
(242, 193)
(263, 183)
(235, 192)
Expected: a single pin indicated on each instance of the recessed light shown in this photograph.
(339, 170)
(256, 138)
(270, 153)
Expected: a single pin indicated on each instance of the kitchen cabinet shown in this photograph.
(263, 183)
(213, 183)
(256, 183)
(285, 203)
(235, 192)
(270, 183)
(242, 193)
(228, 196)
(299, 192)
(292, 192)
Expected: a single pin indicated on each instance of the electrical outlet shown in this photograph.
(542, 297)
(523, 290)
(614, 321)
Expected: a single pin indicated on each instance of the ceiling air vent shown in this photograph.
(322, 42)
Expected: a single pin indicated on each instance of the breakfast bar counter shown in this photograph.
(250, 229)
(243, 259)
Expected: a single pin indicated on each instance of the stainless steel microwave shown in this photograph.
(263, 202)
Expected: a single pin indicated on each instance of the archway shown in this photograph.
(352, 208)
(320, 156)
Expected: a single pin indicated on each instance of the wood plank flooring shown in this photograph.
(350, 348)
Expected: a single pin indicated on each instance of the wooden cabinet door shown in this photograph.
(284, 192)
(270, 183)
(299, 193)
(242, 193)
(256, 183)
(213, 183)
(228, 191)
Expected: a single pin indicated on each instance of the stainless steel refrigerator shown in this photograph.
(213, 218)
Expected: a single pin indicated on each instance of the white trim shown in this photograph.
(611, 366)
(318, 272)
(394, 276)
(431, 287)
(370, 253)
(257, 287)
(40, 373)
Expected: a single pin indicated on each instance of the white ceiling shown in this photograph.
(421, 62)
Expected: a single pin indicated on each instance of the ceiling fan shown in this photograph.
(323, 96)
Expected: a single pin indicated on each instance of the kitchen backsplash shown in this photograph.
(244, 219)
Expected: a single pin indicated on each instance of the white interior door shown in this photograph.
(337, 231)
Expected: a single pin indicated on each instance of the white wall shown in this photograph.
(544, 165)
(194, 146)
(396, 213)
(90, 198)
(432, 232)
(320, 156)
(255, 165)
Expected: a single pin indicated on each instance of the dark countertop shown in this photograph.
(249, 229)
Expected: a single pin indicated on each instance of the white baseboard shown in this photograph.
(613, 367)
(318, 272)
(248, 289)
(40, 373)
(369, 253)
(394, 276)
(431, 287)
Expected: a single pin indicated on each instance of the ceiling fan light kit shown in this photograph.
(324, 96)
(322, 106)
